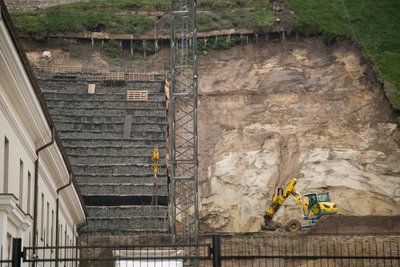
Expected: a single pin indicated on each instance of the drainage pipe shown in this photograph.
(57, 217)
(36, 192)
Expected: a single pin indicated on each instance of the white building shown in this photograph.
(25, 127)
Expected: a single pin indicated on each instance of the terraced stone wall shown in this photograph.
(114, 170)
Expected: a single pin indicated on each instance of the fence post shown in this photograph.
(216, 250)
(16, 252)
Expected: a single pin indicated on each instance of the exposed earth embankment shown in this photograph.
(273, 111)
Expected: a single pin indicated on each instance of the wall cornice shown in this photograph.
(8, 204)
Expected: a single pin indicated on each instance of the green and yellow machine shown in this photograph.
(314, 205)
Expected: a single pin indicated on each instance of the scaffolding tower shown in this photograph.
(184, 176)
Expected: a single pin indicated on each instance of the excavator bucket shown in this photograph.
(272, 226)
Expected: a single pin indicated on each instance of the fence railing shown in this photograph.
(134, 67)
(227, 250)
(109, 77)
(4, 260)
(119, 255)
(309, 250)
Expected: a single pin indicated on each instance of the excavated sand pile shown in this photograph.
(272, 111)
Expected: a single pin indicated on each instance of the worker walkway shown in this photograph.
(109, 139)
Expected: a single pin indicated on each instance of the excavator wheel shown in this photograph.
(293, 226)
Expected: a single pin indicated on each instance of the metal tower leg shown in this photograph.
(184, 97)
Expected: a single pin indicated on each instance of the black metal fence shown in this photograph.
(134, 255)
(223, 250)
(307, 250)
(14, 259)
(4, 261)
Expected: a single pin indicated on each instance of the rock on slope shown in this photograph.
(273, 111)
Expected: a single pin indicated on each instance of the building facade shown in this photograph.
(39, 201)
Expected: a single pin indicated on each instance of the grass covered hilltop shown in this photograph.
(374, 25)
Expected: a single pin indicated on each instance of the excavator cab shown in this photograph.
(317, 204)
(311, 206)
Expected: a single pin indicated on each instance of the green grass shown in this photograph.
(109, 15)
(253, 18)
(374, 25)
(114, 17)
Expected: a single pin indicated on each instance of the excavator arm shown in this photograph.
(277, 201)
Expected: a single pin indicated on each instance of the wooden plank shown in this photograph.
(136, 95)
(106, 36)
(114, 76)
(141, 77)
(92, 88)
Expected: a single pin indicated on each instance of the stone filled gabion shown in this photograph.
(104, 163)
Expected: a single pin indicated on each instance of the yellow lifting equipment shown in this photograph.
(156, 156)
(314, 205)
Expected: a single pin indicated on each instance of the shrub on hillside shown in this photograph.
(112, 48)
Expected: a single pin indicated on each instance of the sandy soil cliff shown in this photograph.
(273, 111)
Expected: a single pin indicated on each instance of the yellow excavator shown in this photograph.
(314, 206)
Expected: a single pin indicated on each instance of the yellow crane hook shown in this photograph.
(156, 156)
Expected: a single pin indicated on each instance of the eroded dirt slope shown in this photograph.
(273, 111)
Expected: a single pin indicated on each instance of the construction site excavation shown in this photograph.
(274, 111)
(223, 147)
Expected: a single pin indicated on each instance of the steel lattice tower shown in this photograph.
(184, 176)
